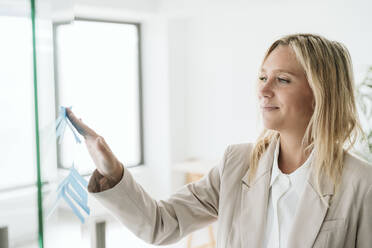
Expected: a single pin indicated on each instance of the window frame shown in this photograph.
(140, 82)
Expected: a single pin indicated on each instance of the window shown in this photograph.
(17, 144)
(98, 74)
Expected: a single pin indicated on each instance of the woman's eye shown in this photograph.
(283, 80)
(262, 79)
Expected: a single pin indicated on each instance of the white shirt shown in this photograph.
(285, 194)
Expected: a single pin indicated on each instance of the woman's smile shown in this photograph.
(269, 109)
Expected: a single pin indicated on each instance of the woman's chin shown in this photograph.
(271, 126)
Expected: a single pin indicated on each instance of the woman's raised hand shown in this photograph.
(108, 166)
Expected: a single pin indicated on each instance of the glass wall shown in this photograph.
(52, 58)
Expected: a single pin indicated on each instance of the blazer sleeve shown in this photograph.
(162, 222)
(364, 237)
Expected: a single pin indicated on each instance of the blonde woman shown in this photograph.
(297, 186)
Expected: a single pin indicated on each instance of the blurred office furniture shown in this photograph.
(194, 170)
(4, 237)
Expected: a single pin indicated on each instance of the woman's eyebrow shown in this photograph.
(281, 70)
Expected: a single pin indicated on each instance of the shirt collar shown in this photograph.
(297, 176)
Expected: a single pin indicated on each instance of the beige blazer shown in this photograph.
(224, 195)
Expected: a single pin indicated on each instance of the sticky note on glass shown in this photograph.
(61, 123)
(73, 191)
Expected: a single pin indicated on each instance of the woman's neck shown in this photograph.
(291, 152)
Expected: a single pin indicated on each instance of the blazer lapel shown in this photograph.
(311, 212)
(254, 201)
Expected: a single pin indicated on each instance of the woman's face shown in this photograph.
(284, 94)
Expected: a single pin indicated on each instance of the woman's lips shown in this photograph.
(270, 108)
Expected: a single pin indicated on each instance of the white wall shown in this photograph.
(215, 48)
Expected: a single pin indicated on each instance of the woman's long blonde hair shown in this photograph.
(334, 123)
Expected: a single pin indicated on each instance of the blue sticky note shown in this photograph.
(72, 206)
(73, 191)
(61, 123)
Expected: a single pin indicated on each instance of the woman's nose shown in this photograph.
(266, 89)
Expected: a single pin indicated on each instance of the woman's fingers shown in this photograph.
(79, 125)
(104, 159)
